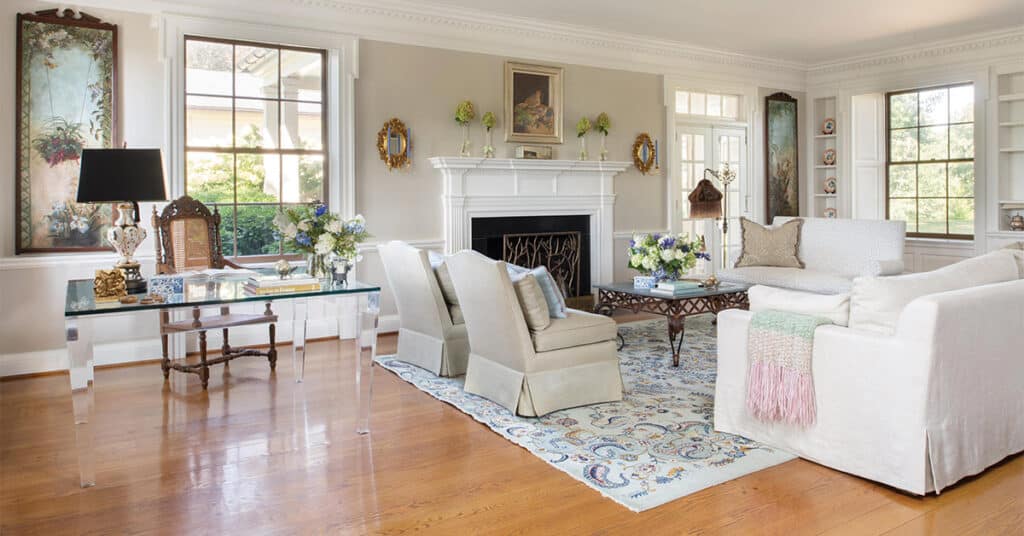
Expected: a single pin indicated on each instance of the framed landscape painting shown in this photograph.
(65, 102)
(533, 103)
(782, 157)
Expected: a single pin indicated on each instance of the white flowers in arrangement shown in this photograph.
(316, 230)
(665, 256)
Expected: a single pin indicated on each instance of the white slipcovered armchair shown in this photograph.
(573, 362)
(428, 337)
(940, 399)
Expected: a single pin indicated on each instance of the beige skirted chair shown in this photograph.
(571, 362)
(428, 337)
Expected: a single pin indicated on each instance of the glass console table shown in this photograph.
(361, 301)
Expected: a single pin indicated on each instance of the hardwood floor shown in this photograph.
(269, 456)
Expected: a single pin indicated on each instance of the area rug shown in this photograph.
(658, 444)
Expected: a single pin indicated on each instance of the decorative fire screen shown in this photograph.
(559, 252)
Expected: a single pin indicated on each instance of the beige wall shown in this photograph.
(421, 86)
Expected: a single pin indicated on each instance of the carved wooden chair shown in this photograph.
(188, 238)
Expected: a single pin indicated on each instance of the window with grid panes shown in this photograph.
(930, 161)
(255, 135)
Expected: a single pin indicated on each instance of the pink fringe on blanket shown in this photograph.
(776, 393)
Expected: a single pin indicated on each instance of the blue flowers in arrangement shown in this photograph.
(665, 256)
(316, 230)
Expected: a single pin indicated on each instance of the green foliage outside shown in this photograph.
(214, 182)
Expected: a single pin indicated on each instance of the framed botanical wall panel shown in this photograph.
(65, 102)
(533, 103)
(781, 157)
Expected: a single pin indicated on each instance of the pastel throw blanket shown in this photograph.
(779, 385)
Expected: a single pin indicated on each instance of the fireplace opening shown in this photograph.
(561, 243)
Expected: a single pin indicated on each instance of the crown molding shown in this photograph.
(971, 44)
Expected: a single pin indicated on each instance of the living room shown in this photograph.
(623, 267)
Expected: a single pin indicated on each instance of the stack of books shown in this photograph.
(674, 288)
(266, 284)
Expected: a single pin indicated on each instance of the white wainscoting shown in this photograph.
(925, 255)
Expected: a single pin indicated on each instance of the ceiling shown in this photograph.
(807, 31)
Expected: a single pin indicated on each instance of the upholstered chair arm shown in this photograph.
(885, 267)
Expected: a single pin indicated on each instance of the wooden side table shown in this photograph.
(674, 308)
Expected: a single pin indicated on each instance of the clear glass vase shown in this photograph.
(318, 266)
(488, 144)
(604, 148)
(467, 146)
(583, 148)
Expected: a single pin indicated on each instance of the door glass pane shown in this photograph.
(682, 102)
(714, 103)
(698, 147)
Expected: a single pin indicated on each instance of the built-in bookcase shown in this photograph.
(824, 108)
(1010, 138)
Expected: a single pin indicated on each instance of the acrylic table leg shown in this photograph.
(367, 313)
(299, 316)
(78, 332)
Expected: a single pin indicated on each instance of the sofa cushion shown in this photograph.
(791, 278)
(456, 313)
(876, 302)
(444, 278)
(576, 329)
(770, 246)
(835, 307)
(849, 247)
(552, 294)
(532, 302)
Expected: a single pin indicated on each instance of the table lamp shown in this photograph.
(125, 177)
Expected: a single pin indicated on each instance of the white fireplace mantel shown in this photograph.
(502, 187)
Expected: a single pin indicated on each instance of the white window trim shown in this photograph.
(342, 71)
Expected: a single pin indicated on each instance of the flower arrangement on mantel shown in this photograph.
(489, 120)
(464, 113)
(604, 123)
(582, 127)
(319, 233)
(665, 256)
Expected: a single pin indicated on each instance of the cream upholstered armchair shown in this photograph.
(428, 338)
(572, 362)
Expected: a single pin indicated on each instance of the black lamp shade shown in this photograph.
(110, 175)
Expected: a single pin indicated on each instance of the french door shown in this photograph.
(712, 147)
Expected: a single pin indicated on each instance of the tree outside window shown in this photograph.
(255, 136)
(930, 161)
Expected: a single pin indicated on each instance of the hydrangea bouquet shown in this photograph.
(665, 256)
(319, 233)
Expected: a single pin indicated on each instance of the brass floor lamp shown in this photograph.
(707, 202)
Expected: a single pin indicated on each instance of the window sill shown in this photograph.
(945, 243)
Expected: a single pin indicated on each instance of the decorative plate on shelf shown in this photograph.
(831, 213)
(829, 157)
(828, 126)
(829, 185)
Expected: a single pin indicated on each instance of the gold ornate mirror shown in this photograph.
(393, 143)
(645, 153)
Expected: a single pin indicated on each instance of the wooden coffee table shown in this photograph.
(674, 308)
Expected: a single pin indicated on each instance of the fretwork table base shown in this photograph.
(675, 309)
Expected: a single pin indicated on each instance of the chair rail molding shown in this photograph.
(500, 187)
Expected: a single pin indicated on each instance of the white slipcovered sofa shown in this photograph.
(572, 362)
(925, 387)
(834, 251)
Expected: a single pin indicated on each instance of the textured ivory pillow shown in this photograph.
(835, 307)
(444, 278)
(770, 246)
(531, 300)
(876, 302)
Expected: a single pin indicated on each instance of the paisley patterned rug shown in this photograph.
(658, 444)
